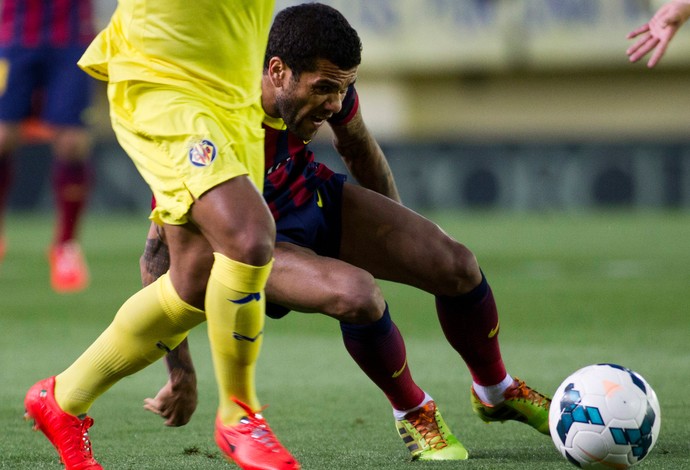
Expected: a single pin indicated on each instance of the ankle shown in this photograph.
(493, 394)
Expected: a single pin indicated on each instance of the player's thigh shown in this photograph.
(236, 221)
(10, 137)
(306, 282)
(68, 89)
(18, 81)
(395, 243)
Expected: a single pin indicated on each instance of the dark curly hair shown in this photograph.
(304, 33)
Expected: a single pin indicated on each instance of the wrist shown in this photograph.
(182, 375)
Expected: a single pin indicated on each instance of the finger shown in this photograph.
(636, 32)
(638, 44)
(151, 405)
(650, 44)
(658, 54)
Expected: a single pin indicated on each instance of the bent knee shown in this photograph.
(254, 250)
(458, 273)
(72, 144)
(358, 300)
(251, 244)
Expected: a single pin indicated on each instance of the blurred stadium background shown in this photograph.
(518, 105)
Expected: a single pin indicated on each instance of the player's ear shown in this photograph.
(277, 71)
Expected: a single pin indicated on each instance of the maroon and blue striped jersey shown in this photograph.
(54, 23)
(292, 173)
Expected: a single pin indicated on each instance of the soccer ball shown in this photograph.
(604, 416)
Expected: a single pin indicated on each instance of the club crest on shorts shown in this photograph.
(202, 153)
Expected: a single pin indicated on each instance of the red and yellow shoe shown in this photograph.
(68, 434)
(522, 403)
(252, 445)
(428, 437)
(68, 270)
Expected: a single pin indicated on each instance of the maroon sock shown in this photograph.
(379, 350)
(71, 186)
(470, 323)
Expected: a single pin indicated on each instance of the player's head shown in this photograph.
(302, 34)
(312, 58)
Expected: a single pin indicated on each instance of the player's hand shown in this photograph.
(177, 400)
(658, 32)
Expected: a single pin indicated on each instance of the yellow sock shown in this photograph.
(149, 323)
(235, 306)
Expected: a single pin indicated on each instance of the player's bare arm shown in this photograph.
(177, 400)
(363, 157)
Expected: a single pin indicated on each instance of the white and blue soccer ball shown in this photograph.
(604, 416)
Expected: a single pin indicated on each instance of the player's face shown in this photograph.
(306, 103)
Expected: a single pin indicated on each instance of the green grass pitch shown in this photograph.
(572, 289)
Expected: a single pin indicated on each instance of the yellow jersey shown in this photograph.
(212, 47)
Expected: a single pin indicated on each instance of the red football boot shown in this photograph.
(66, 432)
(252, 445)
(68, 269)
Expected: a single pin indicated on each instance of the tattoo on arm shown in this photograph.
(155, 261)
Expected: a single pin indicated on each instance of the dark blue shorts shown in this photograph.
(315, 225)
(65, 90)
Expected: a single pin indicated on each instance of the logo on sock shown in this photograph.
(397, 373)
(246, 299)
(240, 337)
(494, 331)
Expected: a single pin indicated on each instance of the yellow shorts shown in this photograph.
(184, 145)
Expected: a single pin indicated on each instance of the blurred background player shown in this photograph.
(655, 35)
(40, 44)
(335, 238)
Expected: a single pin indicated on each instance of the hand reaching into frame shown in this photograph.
(656, 34)
(176, 401)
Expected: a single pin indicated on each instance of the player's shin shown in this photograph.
(379, 350)
(470, 324)
(235, 306)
